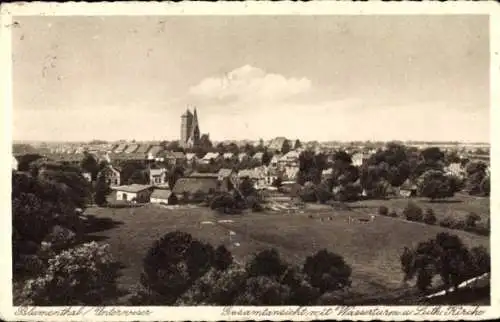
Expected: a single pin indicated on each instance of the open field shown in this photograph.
(371, 248)
(457, 207)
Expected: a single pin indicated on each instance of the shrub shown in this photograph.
(263, 290)
(222, 258)
(460, 224)
(85, 275)
(266, 263)
(429, 217)
(173, 263)
(393, 213)
(413, 212)
(327, 271)
(447, 222)
(60, 238)
(216, 287)
(472, 219)
(383, 210)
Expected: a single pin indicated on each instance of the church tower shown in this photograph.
(195, 130)
(186, 123)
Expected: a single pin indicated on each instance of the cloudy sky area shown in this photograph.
(315, 78)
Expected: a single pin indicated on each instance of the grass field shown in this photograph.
(457, 207)
(371, 248)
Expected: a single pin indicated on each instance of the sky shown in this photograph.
(309, 77)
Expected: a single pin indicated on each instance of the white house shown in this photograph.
(359, 158)
(160, 196)
(209, 156)
(133, 193)
(111, 175)
(158, 176)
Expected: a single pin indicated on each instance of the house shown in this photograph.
(209, 157)
(359, 158)
(290, 159)
(143, 148)
(157, 176)
(161, 196)
(120, 148)
(242, 156)
(277, 144)
(191, 157)
(275, 160)
(228, 156)
(195, 188)
(152, 153)
(174, 158)
(133, 193)
(258, 156)
(112, 176)
(271, 175)
(131, 148)
(291, 173)
(408, 189)
(455, 169)
(87, 176)
(326, 174)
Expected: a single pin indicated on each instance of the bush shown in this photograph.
(413, 212)
(429, 217)
(472, 219)
(85, 275)
(263, 290)
(173, 263)
(393, 213)
(383, 210)
(447, 222)
(460, 225)
(60, 238)
(327, 271)
(266, 263)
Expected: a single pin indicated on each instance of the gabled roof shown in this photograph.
(157, 171)
(210, 155)
(258, 155)
(193, 185)
(203, 175)
(161, 194)
(155, 149)
(131, 148)
(120, 148)
(143, 148)
(133, 188)
(224, 172)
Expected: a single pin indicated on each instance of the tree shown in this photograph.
(90, 164)
(24, 161)
(327, 271)
(445, 255)
(173, 146)
(297, 144)
(413, 212)
(476, 174)
(205, 142)
(429, 216)
(435, 185)
(102, 190)
(485, 186)
(174, 175)
(139, 177)
(246, 187)
(472, 219)
(286, 147)
(174, 263)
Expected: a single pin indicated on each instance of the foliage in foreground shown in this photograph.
(84, 275)
(445, 256)
(181, 270)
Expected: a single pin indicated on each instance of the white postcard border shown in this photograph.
(8, 312)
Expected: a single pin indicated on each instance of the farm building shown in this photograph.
(195, 188)
(157, 176)
(133, 193)
(408, 189)
(112, 176)
(161, 196)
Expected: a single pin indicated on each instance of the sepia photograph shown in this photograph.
(232, 160)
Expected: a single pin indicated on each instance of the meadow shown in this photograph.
(371, 248)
